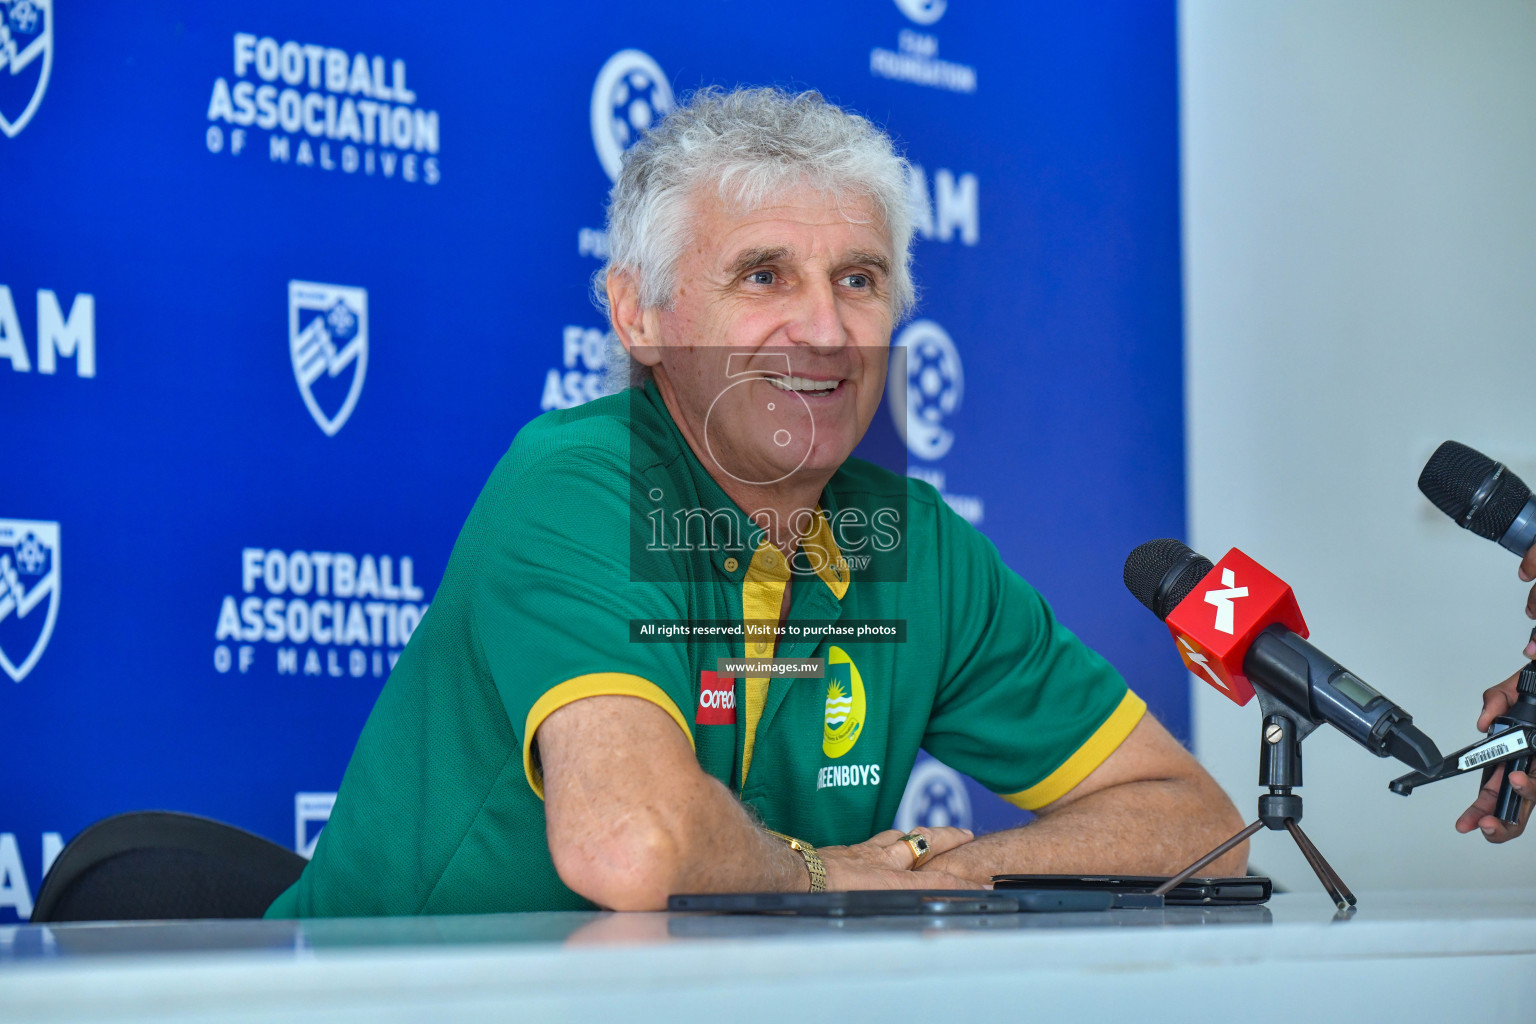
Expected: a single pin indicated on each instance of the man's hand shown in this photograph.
(885, 862)
(1148, 809)
(1496, 701)
(1480, 815)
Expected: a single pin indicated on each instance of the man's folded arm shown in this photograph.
(1149, 808)
(631, 818)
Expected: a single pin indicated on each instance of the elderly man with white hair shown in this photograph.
(565, 728)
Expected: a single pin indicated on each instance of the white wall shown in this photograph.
(1360, 281)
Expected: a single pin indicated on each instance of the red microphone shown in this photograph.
(1225, 612)
(1238, 627)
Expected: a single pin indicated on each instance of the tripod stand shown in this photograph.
(1280, 770)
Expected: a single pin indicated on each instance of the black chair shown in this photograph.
(160, 865)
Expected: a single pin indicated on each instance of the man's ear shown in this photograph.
(631, 322)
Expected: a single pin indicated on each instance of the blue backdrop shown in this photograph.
(279, 282)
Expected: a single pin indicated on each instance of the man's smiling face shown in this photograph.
(773, 354)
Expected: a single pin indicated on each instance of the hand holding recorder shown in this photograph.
(1483, 814)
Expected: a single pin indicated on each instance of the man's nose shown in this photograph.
(816, 320)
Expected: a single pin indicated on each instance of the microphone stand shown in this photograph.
(1279, 809)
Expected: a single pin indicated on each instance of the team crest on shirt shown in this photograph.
(844, 719)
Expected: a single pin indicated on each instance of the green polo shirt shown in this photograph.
(599, 523)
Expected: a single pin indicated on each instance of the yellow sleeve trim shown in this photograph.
(1087, 757)
(598, 684)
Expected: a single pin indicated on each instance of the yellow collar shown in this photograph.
(818, 552)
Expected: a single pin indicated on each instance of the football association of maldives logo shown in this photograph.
(29, 592)
(328, 343)
(26, 58)
(310, 813)
(629, 96)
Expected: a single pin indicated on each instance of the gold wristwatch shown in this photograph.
(813, 865)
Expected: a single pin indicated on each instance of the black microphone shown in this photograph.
(1162, 574)
(1480, 495)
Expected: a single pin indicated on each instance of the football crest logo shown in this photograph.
(29, 577)
(26, 58)
(328, 343)
(845, 704)
(631, 94)
(935, 796)
(924, 12)
(935, 383)
(310, 813)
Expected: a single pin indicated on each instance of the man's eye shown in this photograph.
(857, 280)
(761, 277)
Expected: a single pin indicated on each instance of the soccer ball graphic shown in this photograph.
(935, 797)
(935, 387)
(341, 322)
(931, 382)
(31, 556)
(630, 95)
(939, 805)
(636, 102)
(24, 16)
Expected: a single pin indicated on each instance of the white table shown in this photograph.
(1426, 956)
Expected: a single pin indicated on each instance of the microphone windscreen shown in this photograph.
(1453, 476)
(1161, 573)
